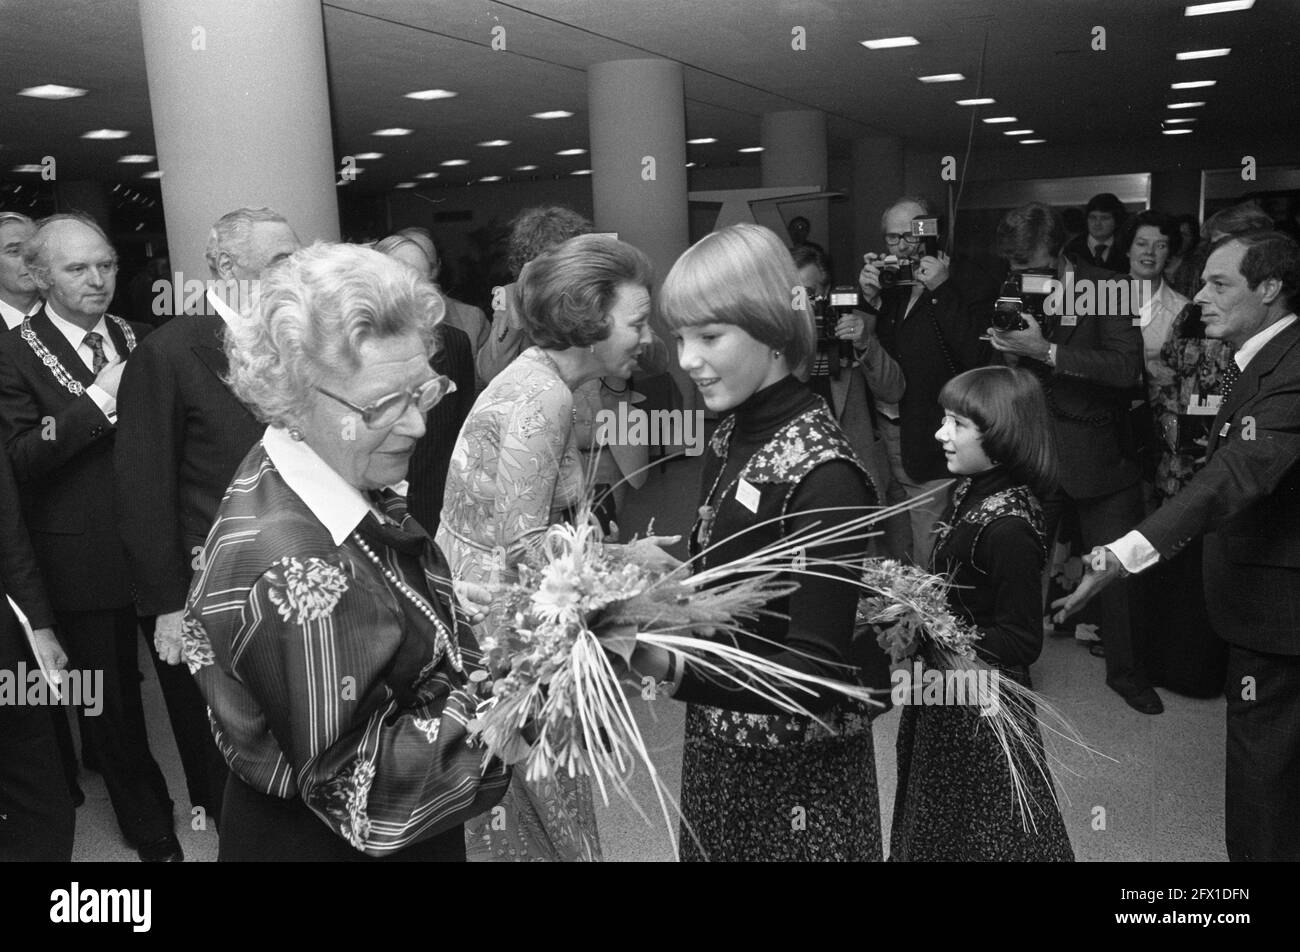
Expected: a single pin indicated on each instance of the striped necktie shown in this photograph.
(96, 344)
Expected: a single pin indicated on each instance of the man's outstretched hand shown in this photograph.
(1102, 568)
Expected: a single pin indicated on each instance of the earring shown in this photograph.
(295, 434)
(776, 354)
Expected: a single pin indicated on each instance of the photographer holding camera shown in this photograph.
(852, 373)
(923, 324)
(1088, 365)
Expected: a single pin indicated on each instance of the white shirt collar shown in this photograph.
(75, 334)
(1253, 346)
(224, 310)
(13, 317)
(1093, 244)
(338, 505)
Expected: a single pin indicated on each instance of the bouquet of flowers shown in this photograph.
(577, 611)
(908, 610)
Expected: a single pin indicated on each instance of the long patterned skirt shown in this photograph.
(778, 788)
(955, 801)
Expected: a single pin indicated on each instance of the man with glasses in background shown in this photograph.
(925, 325)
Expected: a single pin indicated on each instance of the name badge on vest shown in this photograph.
(747, 495)
(1069, 320)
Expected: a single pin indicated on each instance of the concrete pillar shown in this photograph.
(794, 153)
(878, 177)
(638, 162)
(241, 116)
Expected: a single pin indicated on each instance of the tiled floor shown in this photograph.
(1160, 798)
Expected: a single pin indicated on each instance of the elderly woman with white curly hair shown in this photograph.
(321, 625)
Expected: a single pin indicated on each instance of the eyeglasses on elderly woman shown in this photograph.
(387, 410)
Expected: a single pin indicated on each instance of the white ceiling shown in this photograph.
(738, 64)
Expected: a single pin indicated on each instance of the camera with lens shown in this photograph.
(1022, 293)
(827, 309)
(895, 271)
(924, 235)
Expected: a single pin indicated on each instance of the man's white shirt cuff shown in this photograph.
(105, 402)
(1134, 552)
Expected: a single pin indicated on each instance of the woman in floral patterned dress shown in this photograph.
(321, 625)
(758, 784)
(515, 470)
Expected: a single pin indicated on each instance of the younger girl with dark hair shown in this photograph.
(955, 799)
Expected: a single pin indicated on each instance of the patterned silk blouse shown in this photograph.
(324, 681)
(515, 469)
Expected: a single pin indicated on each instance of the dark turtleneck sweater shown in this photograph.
(997, 579)
(822, 611)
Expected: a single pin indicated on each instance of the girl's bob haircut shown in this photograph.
(1008, 405)
(742, 275)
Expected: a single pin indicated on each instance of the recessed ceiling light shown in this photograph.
(368, 156)
(572, 152)
(942, 78)
(52, 91)
(1032, 141)
(890, 42)
(1019, 132)
(453, 162)
(1203, 54)
(1194, 84)
(1223, 6)
(427, 94)
(707, 140)
(581, 172)
(1185, 105)
(490, 178)
(982, 101)
(397, 131)
(28, 168)
(156, 174)
(996, 119)
(525, 168)
(427, 175)
(751, 148)
(553, 114)
(494, 143)
(1172, 121)
(404, 185)
(1175, 132)
(105, 134)
(135, 159)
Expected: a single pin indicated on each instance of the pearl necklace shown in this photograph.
(443, 643)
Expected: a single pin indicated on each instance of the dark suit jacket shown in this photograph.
(1098, 367)
(1247, 503)
(181, 436)
(61, 447)
(19, 579)
(432, 455)
(939, 323)
(1076, 249)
